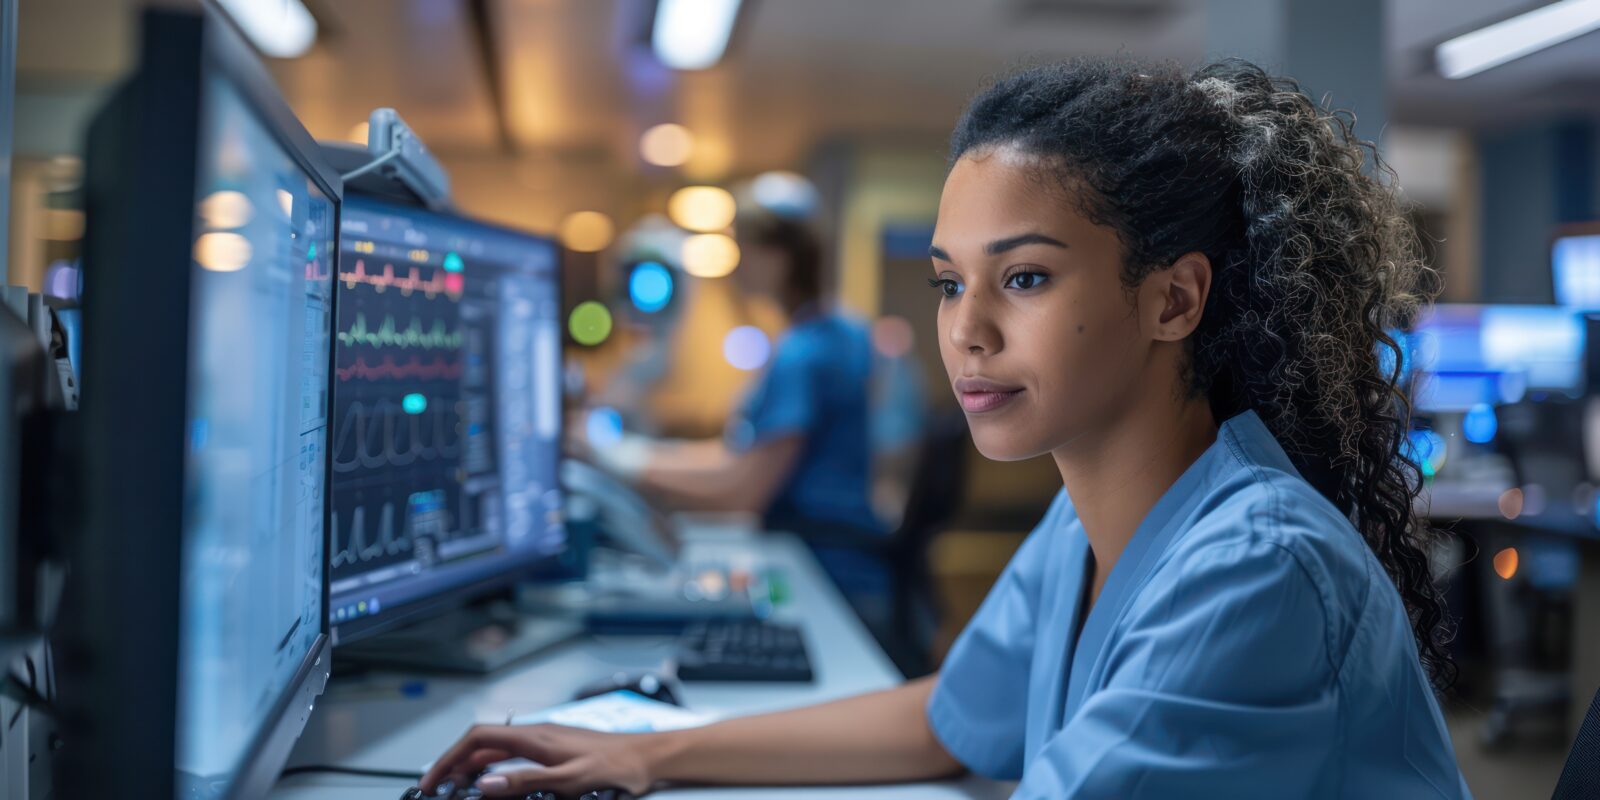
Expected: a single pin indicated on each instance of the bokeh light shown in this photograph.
(747, 347)
(359, 133)
(666, 145)
(590, 323)
(222, 252)
(893, 337)
(414, 403)
(784, 193)
(226, 209)
(587, 231)
(650, 287)
(710, 255)
(1505, 563)
(702, 208)
(1428, 450)
(1510, 503)
(1480, 424)
(603, 427)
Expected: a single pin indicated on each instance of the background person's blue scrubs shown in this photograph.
(1246, 644)
(817, 387)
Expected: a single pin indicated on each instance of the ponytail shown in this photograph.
(1314, 263)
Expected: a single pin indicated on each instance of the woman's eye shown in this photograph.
(946, 287)
(1024, 280)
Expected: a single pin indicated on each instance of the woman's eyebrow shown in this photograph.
(937, 252)
(999, 246)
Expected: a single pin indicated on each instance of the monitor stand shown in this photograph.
(478, 639)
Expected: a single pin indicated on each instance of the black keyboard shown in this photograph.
(448, 792)
(744, 650)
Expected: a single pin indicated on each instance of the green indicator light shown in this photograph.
(452, 262)
(590, 323)
(414, 403)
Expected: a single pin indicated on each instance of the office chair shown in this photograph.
(938, 483)
(1580, 778)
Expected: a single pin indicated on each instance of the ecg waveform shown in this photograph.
(443, 282)
(358, 550)
(387, 335)
(386, 436)
(437, 369)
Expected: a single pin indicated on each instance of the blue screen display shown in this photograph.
(1465, 355)
(254, 502)
(447, 407)
(1575, 270)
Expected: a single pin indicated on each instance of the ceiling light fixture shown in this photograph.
(1546, 26)
(693, 34)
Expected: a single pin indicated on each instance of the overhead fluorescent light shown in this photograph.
(1543, 27)
(279, 28)
(693, 34)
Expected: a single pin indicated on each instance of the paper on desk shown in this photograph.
(619, 712)
(613, 712)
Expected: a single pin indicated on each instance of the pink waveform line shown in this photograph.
(442, 281)
(412, 368)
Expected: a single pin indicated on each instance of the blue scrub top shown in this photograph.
(1246, 644)
(816, 387)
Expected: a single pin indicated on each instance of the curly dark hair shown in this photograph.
(1314, 263)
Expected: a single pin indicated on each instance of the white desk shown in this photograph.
(394, 733)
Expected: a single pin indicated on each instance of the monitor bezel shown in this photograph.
(517, 570)
(122, 631)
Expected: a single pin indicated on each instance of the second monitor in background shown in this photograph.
(447, 427)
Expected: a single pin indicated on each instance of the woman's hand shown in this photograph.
(574, 760)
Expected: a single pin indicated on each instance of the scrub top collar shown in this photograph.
(1244, 437)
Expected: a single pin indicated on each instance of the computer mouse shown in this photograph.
(647, 684)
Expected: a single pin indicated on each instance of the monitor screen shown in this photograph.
(1575, 271)
(1470, 354)
(256, 423)
(447, 411)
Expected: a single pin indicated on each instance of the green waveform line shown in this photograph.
(413, 336)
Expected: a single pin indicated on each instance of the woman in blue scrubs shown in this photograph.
(1178, 286)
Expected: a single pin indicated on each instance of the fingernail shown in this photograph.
(493, 783)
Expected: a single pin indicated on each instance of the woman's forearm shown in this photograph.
(874, 738)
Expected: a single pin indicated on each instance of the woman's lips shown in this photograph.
(979, 402)
(978, 395)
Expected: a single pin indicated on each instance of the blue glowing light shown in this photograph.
(747, 348)
(452, 262)
(650, 286)
(1428, 450)
(603, 427)
(414, 403)
(1480, 424)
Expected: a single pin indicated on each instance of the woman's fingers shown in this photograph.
(479, 737)
(563, 780)
(475, 762)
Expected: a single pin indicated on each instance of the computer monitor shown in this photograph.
(22, 396)
(197, 637)
(1575, 266)
(447, 413)
(1466, 355)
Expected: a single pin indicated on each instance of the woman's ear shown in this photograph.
(1171, 300)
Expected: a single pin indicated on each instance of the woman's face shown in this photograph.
(1039, 336)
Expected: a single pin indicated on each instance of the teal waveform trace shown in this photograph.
(388, 334)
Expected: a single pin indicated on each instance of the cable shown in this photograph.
(371, 165)
(360, 771)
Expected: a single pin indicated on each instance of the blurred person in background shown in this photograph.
(1177, 285)
(798, 450)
